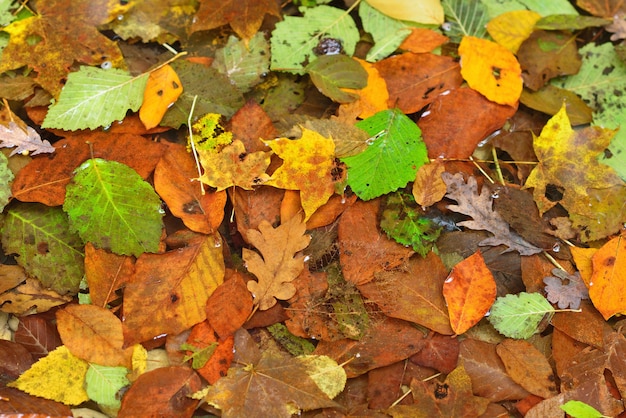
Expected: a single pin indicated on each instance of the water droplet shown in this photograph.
(447, 26)
(449, 279)
(120, 17)
(106, 65)
(218, 243)
(495, 194)
(556, 247)
(306, 258)
(194, 20)
(426, 113)
(590, 283)
(343, 202)
(487, 314)
(107, 127)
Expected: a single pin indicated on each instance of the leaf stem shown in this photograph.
(193, 144)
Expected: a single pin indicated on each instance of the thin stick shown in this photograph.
(482, 171)
(193, 144)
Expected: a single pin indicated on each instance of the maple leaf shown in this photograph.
(232, 166)
(26, 142)
(479, 207)
(307, 166)
(62, 33)
(565, 289)
(244, 16)
(280, 264)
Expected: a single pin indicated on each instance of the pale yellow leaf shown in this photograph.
(420, 11)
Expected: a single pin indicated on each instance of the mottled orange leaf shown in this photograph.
(255, 206)
(469, 290)
(428, 187)
(422, 40)
(162, 90)
(229, 306)
(491, 69)
(202, 335)
(244, 16)
(106, 273)
(168, 292)
(175, 181)
(307, 166)
(607, 288)
(93, 334)
(373, 97)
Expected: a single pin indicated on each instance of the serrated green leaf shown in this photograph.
(295, 38)
(544, 8)
(216, 94)
(94, 97)
(103, 383)
(111, 206)
(465, 18)
(296, 346)
(517, 316)
(570, 22)
(6, 177)
(396, 152)
(41, 237)
(601, 82)
(402, 221)
(244, 64)
(330, 73)
(387, 33)
(578, 409)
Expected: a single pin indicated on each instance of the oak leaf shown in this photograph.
(565, 289)
(27, 141)
(281, 262)
(479, 207)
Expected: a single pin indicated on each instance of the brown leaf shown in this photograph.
(250, 125)
(527, 367)
(364, 250)
(440, 352)
(255, 206)
(281, 263)
(230, 305)
(202, 335)
(414, 294)
(456, 122)
(38, 334)
(18, 403)
(415, 80)
(168, 292)
(26, 141)
(16, 359)
(164, 392)
(30, 297)
(428, 187)
(106, 273)
(11, 276)
(595, 326)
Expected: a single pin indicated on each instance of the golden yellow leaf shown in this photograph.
(233, 166)
(162, 90)
(510, 29)
(307, 166)
(428, 187)
(60, 376)
(608, 282)
(281, 262)
(421, 11)
(491, 69)
(373, 97)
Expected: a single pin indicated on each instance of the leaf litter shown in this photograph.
(179, 228)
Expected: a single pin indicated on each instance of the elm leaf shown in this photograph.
(518, 316)
(111, 206)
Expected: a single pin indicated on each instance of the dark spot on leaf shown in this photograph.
(608, 154)
(42, 248)
(160, 93)
(192, 208)
(495, 71)
(427, 92)
(608, 70)
(173, 298)
(175, 85)
(554, 193)
(609, 261)
(242, 156)
(441, 391)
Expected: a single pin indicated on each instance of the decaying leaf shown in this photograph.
(281, 263)
(26, 142)
(566, 290)
(479, 207)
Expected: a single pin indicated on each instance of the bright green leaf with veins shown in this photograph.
(388, 33)
(464, 18)
(395, 153)
(296, 38)
(103, 383)
(518, 316)
(94, 97)
(41, 237)
(543, 7)
(111, 206)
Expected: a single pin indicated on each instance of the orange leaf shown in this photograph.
(203, 335)
(174, 182)
(229, 306)
(429, 188)
(169, 291)
(423, 40)
(582, 258)
(106, 273)
(608, 282)
(491, 69)
(373, 97)
(93, 334)
(162, 90)
(469, 290)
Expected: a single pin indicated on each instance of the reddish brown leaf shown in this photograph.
(415, 80)
(385, 385)
(203, 335)
(16, 359)
(595, 326)
(456, 122)
(38, 335)
(162, 392)
(250, 125)
(440, 352)
(364, 250)
(17, 403)
(254, 206)
(423, 40)
(230, 305)
(106, 273)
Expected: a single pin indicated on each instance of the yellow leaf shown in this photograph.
(232, 166)
(491, 69)
(510, 29)
(373, 97)
(608, 282)
(60, 376)
(281, 262)
(162, 90)
(307, 166)
(420, 11)
(428, 187)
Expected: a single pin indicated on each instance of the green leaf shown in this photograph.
(402, 221)
(245, 65)
(330, 73)
(199, 356)
(578, 409)
(111, 206)
(570, 22)
(296, 346)
(601, 83)
(465, 18)
(41, 237)
(6, 177)
(388, 33)
(94, 97)
(295, 38)
(348, 306)
(215, 94)
(395, 153)
(103, 383)
(518, 316)
(544, 8)
(6, 15)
